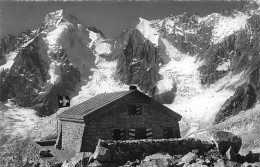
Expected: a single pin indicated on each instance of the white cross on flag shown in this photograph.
(64, 101)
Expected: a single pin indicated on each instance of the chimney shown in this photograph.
(131, 87)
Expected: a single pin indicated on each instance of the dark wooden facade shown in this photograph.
(119, 116)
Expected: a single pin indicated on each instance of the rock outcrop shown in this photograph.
(138, 62)
(27, 81)
(158, 159)
(243, 99)
(224, 140)
(12, 43)
(80, 159)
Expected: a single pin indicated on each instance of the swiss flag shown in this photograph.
(64, 101)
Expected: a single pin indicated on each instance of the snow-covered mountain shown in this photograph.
(205, 68)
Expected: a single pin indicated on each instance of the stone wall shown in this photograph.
(153, 117)
(122, 151)
(72, 133)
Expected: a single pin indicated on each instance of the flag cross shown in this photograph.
(64, 101)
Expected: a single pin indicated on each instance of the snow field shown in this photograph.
(148, 32)
(17, 121)
(101, 81)
(74, 42)
(9, 61)
(227, 26)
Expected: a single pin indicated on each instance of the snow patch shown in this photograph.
(102, 47)
(9, 61)
(196, 103)
(224, 66)
(148, 32)
(203, 103)
(94, 37)
(101, 81)
(227, 26)
(171, 51)
(209, 20)
(74, 42)
(27, 43)
(55, 73)
(17, 121)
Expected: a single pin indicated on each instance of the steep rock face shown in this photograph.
(11, 43)
(138, 63)
(27, 72)
(243, 99)
(236, 53)
(27, 81)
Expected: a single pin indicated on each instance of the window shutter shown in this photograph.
(118, 134)
(122, 134)
(149, 134)
(135, 109)
(131, 134)
(138, 109)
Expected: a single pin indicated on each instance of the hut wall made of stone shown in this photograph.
(117, 117)
(72, 133)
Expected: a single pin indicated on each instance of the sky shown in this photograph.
(111, 17)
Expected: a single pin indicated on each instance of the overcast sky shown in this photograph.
(110, 17)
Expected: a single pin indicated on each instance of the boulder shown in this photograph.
(250, 157)
(233, 164)
(246, 164)
(236, 143)
(222, 146)
(231, 155)
(200, 161)
(158, 159)
(95, 163)
(101, 154)
(219, 163)
(224, 140)
(243, 99)
(189, 158)
(78, 160)
(198, 165)
(207, 161)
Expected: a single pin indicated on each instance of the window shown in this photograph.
(118, 134)
(167, 132)
(140, 133)
(135, 109)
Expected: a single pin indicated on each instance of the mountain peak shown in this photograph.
(147, 31)
(55, 18)
(61, 14)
